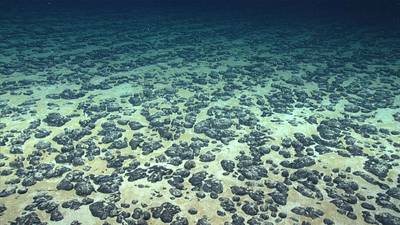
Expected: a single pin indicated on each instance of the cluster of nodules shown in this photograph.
(102, 135)
(176, 163)
(262, 170)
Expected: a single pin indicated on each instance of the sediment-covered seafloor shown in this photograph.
(121, 119)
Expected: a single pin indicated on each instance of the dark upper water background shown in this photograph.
(378, 11)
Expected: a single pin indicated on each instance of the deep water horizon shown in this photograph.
(200, 112)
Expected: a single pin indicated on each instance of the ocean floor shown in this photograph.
(137, 119)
